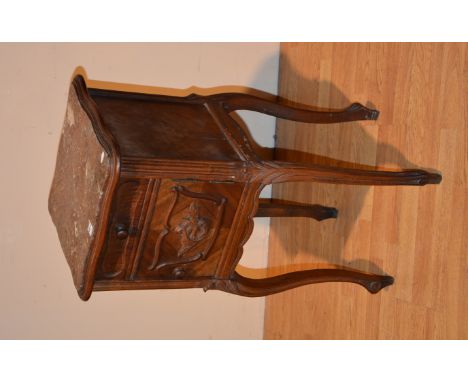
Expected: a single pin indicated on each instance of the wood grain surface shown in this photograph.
(419, 235)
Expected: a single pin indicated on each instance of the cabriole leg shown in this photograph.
(244, 286)
(269, 208)
(268, 172)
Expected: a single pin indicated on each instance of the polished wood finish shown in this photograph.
(418, 235)
(270, 208)
(187, 191)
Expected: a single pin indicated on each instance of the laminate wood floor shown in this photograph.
(419, 235)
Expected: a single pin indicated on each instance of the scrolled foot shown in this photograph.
(323, 213)
(376, 285)
(363, 112)
(433, 178)
(373, 115)
(333, 212)
(421, 177)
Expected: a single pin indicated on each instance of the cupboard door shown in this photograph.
(187, 231)
(124, 229)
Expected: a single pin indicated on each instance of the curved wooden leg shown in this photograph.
(238, 101)
(268, 172)
(269, 208)
(244, 286)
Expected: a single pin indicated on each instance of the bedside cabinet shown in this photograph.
(154, 191)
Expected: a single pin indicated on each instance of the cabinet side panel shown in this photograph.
(164, 129)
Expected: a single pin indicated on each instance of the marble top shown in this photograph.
(81, 175)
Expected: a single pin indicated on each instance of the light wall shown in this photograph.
(37, 296)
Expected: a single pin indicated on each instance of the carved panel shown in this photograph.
(197, 232)
(188, 230)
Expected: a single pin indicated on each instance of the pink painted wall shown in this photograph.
(38, 299)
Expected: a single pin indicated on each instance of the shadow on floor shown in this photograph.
(350, 140)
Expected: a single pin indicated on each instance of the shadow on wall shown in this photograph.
(125, 87)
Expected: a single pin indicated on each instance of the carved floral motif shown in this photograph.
(194, 229)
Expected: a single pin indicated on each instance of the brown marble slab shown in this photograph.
(81, 175)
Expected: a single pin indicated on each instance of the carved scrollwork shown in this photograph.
(194, 229)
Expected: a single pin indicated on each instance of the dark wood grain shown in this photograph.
(166, 130)
(269, 172)
(270, 208)
(262, 287)
(183, 191)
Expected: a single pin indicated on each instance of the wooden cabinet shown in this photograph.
(152, 191)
